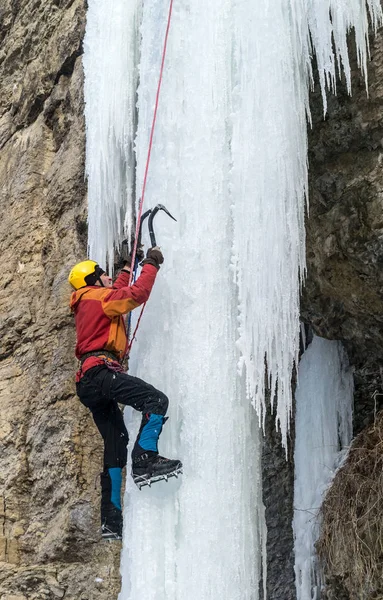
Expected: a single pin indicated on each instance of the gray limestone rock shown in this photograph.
(50, 452)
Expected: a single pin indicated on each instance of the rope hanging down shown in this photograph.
(141, 202)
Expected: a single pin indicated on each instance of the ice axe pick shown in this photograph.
(152, 214)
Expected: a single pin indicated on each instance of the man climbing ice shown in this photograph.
(98, 305)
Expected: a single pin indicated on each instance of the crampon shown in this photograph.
(155, 469)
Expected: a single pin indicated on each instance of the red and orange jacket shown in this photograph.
(99, 311)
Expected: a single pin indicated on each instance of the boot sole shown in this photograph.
(143, 480)
(111, 537)
(107, 534)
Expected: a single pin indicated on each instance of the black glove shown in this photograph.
(154, 257)
(126, 256)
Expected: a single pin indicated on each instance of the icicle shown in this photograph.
(271, 77)
(110, 65)
(323, 429)
(268, 188)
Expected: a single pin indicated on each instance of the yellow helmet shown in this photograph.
(79, 275)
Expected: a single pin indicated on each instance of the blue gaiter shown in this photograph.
(150, 433)
(115, 475)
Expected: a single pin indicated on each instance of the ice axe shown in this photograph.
(125, 250)
(143, 217)
(152, 214)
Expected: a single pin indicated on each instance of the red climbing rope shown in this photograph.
(141, 203)
(135, 330)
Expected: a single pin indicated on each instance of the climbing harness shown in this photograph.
(101, 353)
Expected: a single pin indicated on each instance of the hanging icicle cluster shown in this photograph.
(264, 89)
(111, 54)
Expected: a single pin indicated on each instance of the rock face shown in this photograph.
(278, 492)
(342, 300)
(50, 452)
(343, 296)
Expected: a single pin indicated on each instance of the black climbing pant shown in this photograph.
(100, 390)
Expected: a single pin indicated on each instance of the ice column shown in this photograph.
(111, 53)
(268, 186)
(273, 43)
(202, 536)
(324, 401)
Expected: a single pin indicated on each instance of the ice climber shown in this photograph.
(98, 305)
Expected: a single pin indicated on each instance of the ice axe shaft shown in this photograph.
(125, 243)
(144, 216)
(150, 222)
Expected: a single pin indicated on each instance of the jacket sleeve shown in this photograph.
(124, 299)
(122, 280)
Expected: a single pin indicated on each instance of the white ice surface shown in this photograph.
(231, 135)
(323, 428)
(111, 55)
(204, 537)
(230, 162)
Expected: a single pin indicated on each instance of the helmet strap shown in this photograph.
(92, 278)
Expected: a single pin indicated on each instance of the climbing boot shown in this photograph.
(111, 525)
(149, 467)
(111, 514)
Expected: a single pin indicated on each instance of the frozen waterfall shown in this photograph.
(323, 428)
(230, 162)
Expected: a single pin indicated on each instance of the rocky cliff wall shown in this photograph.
(343, 296)
(342, 300)
(50, 453)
